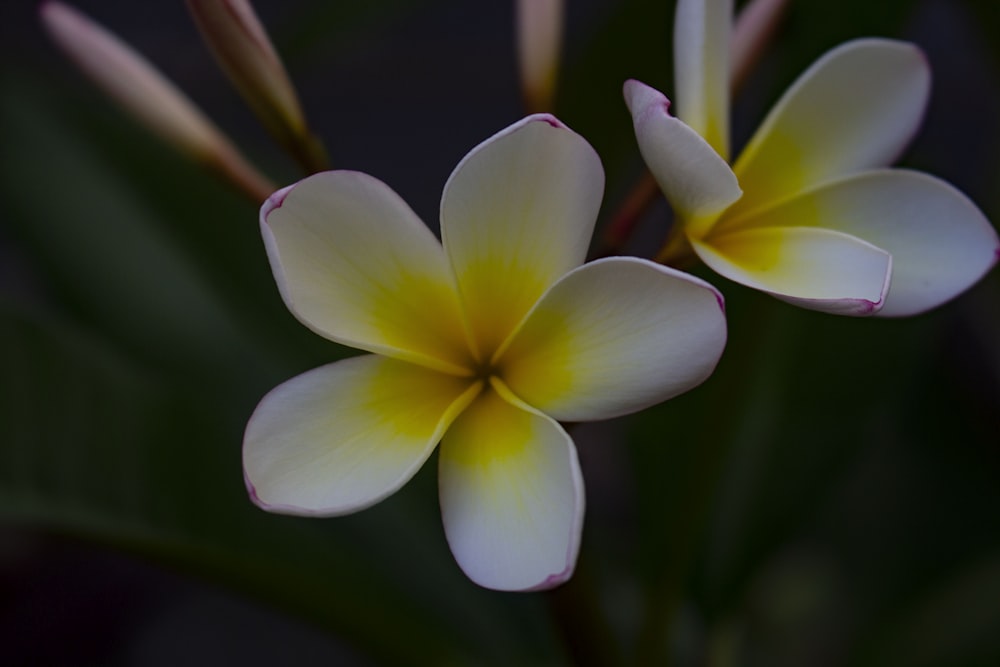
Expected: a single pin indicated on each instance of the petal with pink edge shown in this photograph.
(695, 179)
(856, 108)
(344, 436)
(702, 32)
(615, 336)
(819, 269)
(516, 214)
(511, 494)
(940, 242)
(356, 265)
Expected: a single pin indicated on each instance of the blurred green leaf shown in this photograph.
(123, 406)
(106, 252)
(953, 623)
(96, 448)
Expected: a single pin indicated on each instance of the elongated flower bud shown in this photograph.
(539, 41)
(241, 46)
(752, 31)
(147, 95)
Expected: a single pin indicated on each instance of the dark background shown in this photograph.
(829, 497)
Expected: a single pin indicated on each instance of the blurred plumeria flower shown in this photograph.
(483, 341)
(809, 212)
(148, 96)
(241, 46)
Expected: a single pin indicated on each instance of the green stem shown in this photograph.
(576, 612)
(677, 251)
(620, 229)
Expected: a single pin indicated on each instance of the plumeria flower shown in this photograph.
(484, 342)
(809, 212)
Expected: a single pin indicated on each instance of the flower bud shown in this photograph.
(242, 48)
(752, 31)
(539, 41)
(147, 95)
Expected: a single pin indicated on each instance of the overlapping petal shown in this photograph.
(702, 31)
(940, 242)
(814, 268)
(511, 494)
(356, 265)
(615, 336)
(694, 177)
(516, 214)
(344, 436)
(855, 108)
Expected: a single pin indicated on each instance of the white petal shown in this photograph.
(702, 33)
(940, 243)
(615, 336)
(511, 495)
(356, 265)
(341, 437)
(696, 181)
(819, 269)
(856, 108)
(516, 214)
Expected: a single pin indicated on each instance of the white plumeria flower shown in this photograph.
(482, 342)
(810, 213)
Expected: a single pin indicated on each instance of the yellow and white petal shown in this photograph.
(355, 264)
(344, 436)
(615, 336)
(856, 108)
(511, 494)
(940, 243)
(702, 34)
(695, 179)
(517, 213)
(819, 269)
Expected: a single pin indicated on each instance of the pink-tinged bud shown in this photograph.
(130, 80)
(241, 46)
(753, 29)
(539, 41)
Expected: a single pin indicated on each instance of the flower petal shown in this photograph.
(695, 179)
(356, 265)
(855, 108)
(516, 214)
(940, 243)
(615, 336)
(819, 269)
(344, 436)
(511, 494)
(702, 33)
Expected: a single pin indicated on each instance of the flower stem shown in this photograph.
(623, 223)
(576, 612)
(677, 251)
(307, 149)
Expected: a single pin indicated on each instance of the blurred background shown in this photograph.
(828, 497)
